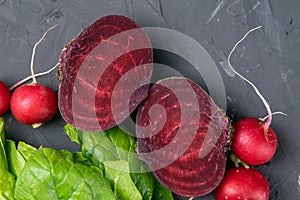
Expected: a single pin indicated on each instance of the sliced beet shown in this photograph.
(183, 137)
(105, 73)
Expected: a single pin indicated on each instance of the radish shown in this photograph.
(34, 104)
(242, 183)
(4, 98)
(254, 141)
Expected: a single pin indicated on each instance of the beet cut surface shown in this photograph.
(91, 66)
(175, 157)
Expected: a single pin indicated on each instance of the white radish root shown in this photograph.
(273, 113)
(33, 75)
(36, 75)
(34, 50)
(267, 106)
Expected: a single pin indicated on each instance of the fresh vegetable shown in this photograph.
(4, 98)
(114, 150)
(7, 179)
(52, 174)
(117, 172)
(32, 103)
(15, 159)
(25, 150)
(242, 183)
(45, 173)
(252, 143)
(105, 73)
(160, 192)
(183, 137)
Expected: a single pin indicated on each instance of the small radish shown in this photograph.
(33, 104)
(254, 141)
(4, 98)
(242, 183)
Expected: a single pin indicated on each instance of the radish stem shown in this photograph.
(33, 54)
(268, 122)
(236, 161)
(30, 77)
(236, 164)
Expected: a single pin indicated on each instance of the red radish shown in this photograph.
(4, 98)
(254, 142)
(242, 183)
(33, 104)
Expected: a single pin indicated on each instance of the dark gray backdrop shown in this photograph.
(269, 57)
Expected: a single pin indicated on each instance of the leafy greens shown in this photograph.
(115, 150)
(7, 179)
(106, 168)
(52, 174)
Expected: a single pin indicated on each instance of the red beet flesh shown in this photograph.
(183, 136)
(251, 143)
(4, 98)
(33, 104)
(105, 73)
(242, 183)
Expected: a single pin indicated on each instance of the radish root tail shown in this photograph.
(273, 113)
(33, 53)
(30, 77)
(267, 106)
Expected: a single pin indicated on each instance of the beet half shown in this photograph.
(183, 137)
(105, 73)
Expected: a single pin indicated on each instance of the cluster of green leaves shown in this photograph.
(113, 151)
(45, 173)
(106, 168)
(7, 179)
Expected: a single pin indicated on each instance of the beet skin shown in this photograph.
(183, 137)
(105, 73)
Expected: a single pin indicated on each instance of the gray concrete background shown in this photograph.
(269, 57)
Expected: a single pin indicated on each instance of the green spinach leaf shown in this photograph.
(160, 192)
(7, 179)
(15, 159)
(25, 150)
(52, 174)
(117, 145)
(117, 172)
